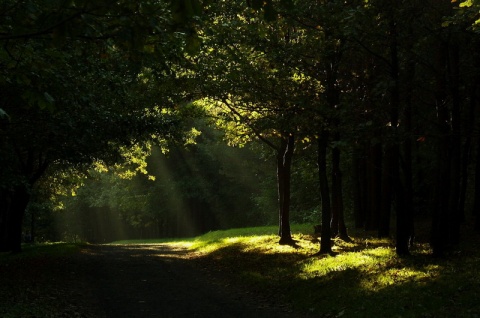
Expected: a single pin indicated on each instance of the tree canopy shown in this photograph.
(370, 107)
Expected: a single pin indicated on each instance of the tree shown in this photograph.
(79, 96)
(254, 87)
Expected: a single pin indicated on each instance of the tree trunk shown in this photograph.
(15, 214)
(474, 99)
(476, 202)
(338, 218)
(455, 145)
(407, 148)
(386, 197)
(374, 186)
(5, 208)
(467, 150)
(358, 180)
(325, 237)
(280, 182)
(336, 192)
(284, 163)
(440, 204)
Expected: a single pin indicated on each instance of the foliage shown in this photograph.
(191, 189)
(81, 83)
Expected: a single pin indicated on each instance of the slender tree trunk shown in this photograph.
(5, 208)
(390, 171)
(358, 180)
(440, 204)
(476, 202)
(403, 225)
(475, 103)
(325, 237)
(374, 186)
(21, 197)
(281, 182)
(407, 148)
(338, 218)
(336, 192)
(386, 197)
(284, 185)
(468, 148)
(455, 145)
(33, 213)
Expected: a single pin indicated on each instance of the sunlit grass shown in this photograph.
(365, 279)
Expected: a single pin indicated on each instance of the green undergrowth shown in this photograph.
(364, 279)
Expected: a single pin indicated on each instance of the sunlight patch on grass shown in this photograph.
(323, 266)
(366, 266)
(376, 268)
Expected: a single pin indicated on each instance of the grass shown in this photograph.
(365, 278)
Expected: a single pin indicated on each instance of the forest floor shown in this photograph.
(242, 273)
(130, 281)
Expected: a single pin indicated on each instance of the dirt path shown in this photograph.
(161, 281)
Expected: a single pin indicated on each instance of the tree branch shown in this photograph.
(247, 122)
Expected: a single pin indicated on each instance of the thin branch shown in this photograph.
(246, 121)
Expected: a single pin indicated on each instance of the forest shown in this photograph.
(146, 119)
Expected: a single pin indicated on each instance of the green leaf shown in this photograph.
(467, 4)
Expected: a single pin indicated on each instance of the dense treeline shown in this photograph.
(371, 105)
(392, 86)
(78, 85)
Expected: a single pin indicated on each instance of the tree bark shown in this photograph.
(407, 148)
(284, 163)
(476, 202)
(358, 180)
(5, 207)
(338, 217)
(374, 186)
(455, 145)
(12, 237)
(325, 237)
(386, 190)
(440, 204)
(336, 192)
